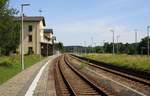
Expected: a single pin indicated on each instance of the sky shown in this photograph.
(76, 21)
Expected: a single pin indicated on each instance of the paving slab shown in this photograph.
(19, 84)
(46, 84)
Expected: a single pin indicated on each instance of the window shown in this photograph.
(30, 50)
(30, 28)
(30, 38)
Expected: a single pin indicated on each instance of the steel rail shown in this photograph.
(70, 89)
(94, 86)
(120, 73)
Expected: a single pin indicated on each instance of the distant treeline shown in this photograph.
(133, 48)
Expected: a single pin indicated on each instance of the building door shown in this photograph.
(30, 51)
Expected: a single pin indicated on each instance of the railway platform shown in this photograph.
(26, 83)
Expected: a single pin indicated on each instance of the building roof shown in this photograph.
(48, 31)
(31, 19)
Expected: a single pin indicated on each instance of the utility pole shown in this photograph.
(84, 46)
(94, 47)
(81, 48)
(103, 46)
(118, 43)
(92, 43)
(148, 40)
(22, 36)
(113, 41)
(135, 41)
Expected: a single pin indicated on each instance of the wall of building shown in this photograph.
(48, 34)
(40, 31)
(36, 38)
(39, 43)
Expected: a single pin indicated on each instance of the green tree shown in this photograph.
(142, 48)
(108, 47)
(9, 29)
(59, 46)
(98, 49)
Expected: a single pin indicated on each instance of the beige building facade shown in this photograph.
(34, 35)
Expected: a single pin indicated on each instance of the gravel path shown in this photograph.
(18, 85)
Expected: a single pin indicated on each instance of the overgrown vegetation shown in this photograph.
(10, 65)
(135, 62)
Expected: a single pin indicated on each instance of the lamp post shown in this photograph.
(113, 41)
(22, 36)
(148, 40)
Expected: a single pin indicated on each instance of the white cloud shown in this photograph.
(79, 30)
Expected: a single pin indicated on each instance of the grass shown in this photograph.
(10, 65)
(135, 62)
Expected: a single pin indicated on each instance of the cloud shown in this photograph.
(79, 31)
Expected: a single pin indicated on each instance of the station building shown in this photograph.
(37, 39)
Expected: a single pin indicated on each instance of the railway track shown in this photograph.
(70, 82)
(62, 88)
(137, 83)
(136, 78)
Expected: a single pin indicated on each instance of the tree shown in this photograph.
(9, 29)
(98, 49)
(108, 47)
(142, 48)
(59, 46)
